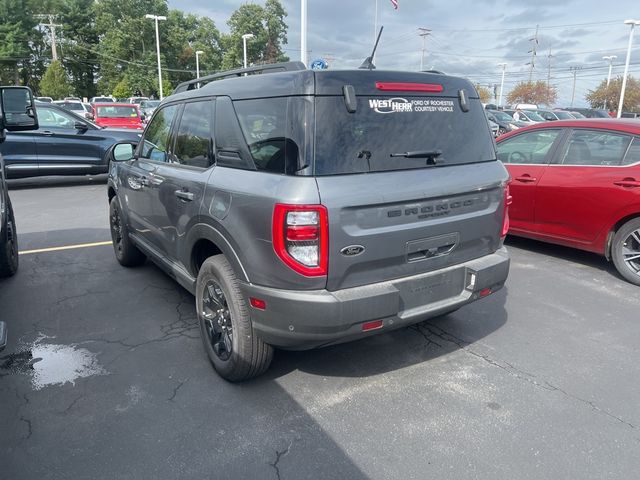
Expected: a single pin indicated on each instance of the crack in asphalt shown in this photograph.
(513, 370)
(279, 455)
(175, 390)
(71, 405)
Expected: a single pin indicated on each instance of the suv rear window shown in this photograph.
(365, 141)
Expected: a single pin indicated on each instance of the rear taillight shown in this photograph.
(409, 87)
(505, 213)
(301, 237)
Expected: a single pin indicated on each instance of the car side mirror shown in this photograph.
(123, 152)
(142, 117)
(18, 109)
(80, 126)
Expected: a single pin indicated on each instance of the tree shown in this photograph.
(484, 93)
(17, 31)
(55, 82)
(533, 92)
(611, 95)
(269, 30)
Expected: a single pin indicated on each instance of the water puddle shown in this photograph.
(51, 364)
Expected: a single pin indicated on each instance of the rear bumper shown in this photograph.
(301, 320)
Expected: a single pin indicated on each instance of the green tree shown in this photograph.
(122, 89)
(611, 95)
(17, 31)
(269, 30)
(55, 82)
(533, 92)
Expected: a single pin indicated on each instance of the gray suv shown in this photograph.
(308, 208)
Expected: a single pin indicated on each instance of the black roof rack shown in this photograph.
(260, 69)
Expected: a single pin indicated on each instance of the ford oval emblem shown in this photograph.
(352, 250)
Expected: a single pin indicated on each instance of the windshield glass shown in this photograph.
(117, 112)
(71, 106)
(533, 116)
(149, 103)
(383, 126)
(563, 115)
(501, 116)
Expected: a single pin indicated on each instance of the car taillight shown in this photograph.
(505, 213)
(301, 238)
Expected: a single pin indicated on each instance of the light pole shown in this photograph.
(246, 37)
(424, 33)
(633, 23)
(611, 58)
(303, 32)
(157, 18)
(504, 66)
(198, 53)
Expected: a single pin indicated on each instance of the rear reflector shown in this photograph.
(484, 292)
(409, 87)
(371, 325)
(508, 199)
(258, 303)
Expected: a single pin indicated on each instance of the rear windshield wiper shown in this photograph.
(431, 155)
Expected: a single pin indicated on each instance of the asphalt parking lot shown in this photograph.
(105, 376)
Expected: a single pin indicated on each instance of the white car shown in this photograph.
(79, 108)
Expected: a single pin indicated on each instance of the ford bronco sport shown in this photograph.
(307, 208)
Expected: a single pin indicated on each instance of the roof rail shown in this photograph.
(259, 69)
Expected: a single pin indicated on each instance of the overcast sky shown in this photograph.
(468, 38)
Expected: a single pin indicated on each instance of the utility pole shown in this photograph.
(549, 74)
(156, 18)
(575, 72)
(504, 66)
(303, 32)
(424, 33)
(611, 58)
(52, 30)
(533, 53)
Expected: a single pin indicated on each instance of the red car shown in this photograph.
(120, 115)
(577, 183)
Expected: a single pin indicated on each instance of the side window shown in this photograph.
(594, 147)
(156, 137)
(273, 129)
(231, 149)
(527, 148)
(193, 140)
(50, 118)
(633, 152)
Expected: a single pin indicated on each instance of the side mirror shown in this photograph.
(18, 109)
(80, 125)
(123, 152)
(142, 117)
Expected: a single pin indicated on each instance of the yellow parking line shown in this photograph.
(65, 247)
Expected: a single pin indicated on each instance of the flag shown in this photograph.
(395, 4)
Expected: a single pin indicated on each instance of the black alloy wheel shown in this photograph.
(217, 319)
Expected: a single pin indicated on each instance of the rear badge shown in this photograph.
(352, 250)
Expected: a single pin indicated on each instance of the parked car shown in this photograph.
(101, 100)
(493, 126)
(505, 122)
(290, 228)
(64, 144)
(147, 107)
(44, 99)
(577, 114)
(120, 115)
(577, 183)
(526, 116)
(136, 100)
(564, 115)
(79, 108)
(548, 115)
(591, 112)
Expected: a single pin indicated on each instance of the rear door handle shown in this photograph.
(184, 195)
(526, 178)
(627, 183)
(47, 133)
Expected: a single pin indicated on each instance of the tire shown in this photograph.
(127, 254)
(9, 245)
(624, 248)
(236, 353)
